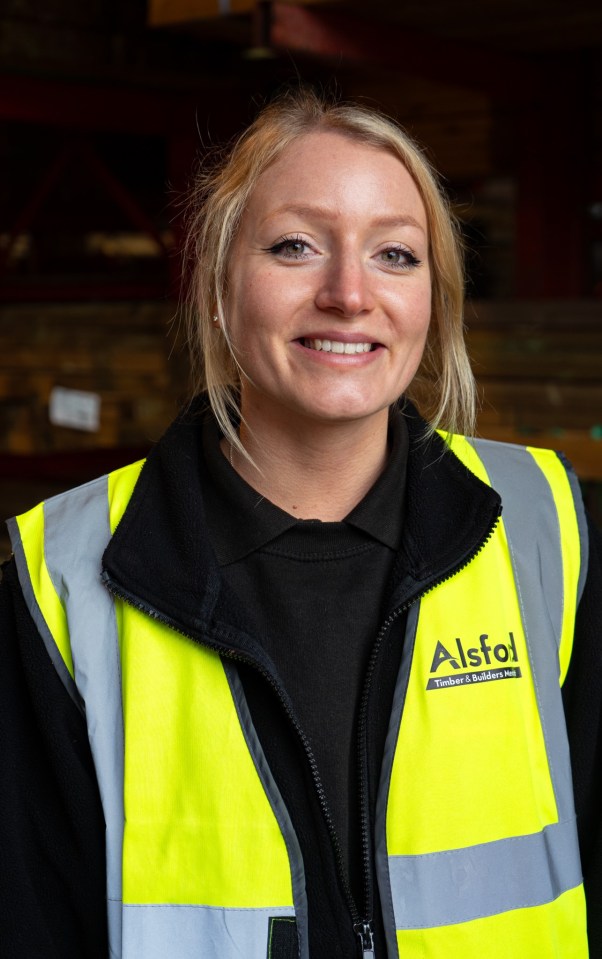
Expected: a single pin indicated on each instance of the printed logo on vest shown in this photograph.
(460, 666)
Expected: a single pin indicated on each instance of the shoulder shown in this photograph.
(93, 505)
(522, 474)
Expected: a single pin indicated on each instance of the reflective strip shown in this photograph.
(556, 474)
(382, 797)
(534, 541)
(460, 885)
(36, 594)
(195, 932)
(581, 523)
(277, 803)
(77, 532)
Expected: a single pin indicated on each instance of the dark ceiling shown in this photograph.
(512, 25)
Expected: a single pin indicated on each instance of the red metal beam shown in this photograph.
(112, 186)
(337, 35)
(87, 107)
(41, 191)
(554, 174)
(120, 195)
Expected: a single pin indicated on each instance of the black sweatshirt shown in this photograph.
(314, 592)
(52, 874)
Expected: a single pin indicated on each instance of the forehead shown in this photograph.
(334, 170)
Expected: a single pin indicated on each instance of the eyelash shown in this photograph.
(411, 261)
(279, 248)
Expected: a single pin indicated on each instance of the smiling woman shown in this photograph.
(293, 688)
(325, 225)
(339, 259)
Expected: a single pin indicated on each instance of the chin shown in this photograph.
(344, 412)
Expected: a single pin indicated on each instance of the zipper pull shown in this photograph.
(363, 931)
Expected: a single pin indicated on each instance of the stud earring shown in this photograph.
(216, 320)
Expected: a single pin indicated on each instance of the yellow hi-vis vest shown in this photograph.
(476, 843)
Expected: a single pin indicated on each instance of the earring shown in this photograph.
(216, 320)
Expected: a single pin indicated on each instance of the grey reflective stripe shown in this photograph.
(380, 827)
(36, 614)
(533, 533)
(196, 932)
(277, 803)
(581, 522)
(77, 531)
(465, 884)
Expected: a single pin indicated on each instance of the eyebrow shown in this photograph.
(392, 220)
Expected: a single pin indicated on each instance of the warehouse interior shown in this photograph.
(105, 109)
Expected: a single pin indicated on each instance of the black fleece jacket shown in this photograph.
(52, 871)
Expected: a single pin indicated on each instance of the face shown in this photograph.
(329, 287)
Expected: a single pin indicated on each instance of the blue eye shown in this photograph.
(290, 248)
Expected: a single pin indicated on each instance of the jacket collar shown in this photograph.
(161, 557)
(450, 513)
(241, 521)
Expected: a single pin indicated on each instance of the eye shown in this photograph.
(399, 258)
(290, 248)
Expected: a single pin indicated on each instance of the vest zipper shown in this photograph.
(362, 927)
(364, 933)
(364, 797)
(365, 928)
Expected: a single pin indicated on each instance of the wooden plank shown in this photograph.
(548, 405)
(544, 314)
(536, 355)
(120, 353)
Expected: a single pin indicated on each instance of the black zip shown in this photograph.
(362, 739)
(365, 934)
(362, 927)
(364, 798)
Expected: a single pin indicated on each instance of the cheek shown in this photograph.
(414, 314)
(243, 311)
(254, 299)
(267, 311)
(424, 307)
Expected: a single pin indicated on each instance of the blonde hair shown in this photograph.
(443, 387)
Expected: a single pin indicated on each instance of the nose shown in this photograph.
(345, 287)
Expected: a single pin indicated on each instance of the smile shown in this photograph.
(336, 346)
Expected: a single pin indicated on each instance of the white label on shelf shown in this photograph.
(74, 408)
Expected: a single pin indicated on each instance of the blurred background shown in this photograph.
(105, 106)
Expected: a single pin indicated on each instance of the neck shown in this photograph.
(312, 470)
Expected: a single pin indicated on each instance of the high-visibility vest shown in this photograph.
(476, 843)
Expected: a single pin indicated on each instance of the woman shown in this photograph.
(297, 667)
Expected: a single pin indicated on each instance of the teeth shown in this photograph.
(336, 346)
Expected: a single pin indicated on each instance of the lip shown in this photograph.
(340, 360)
